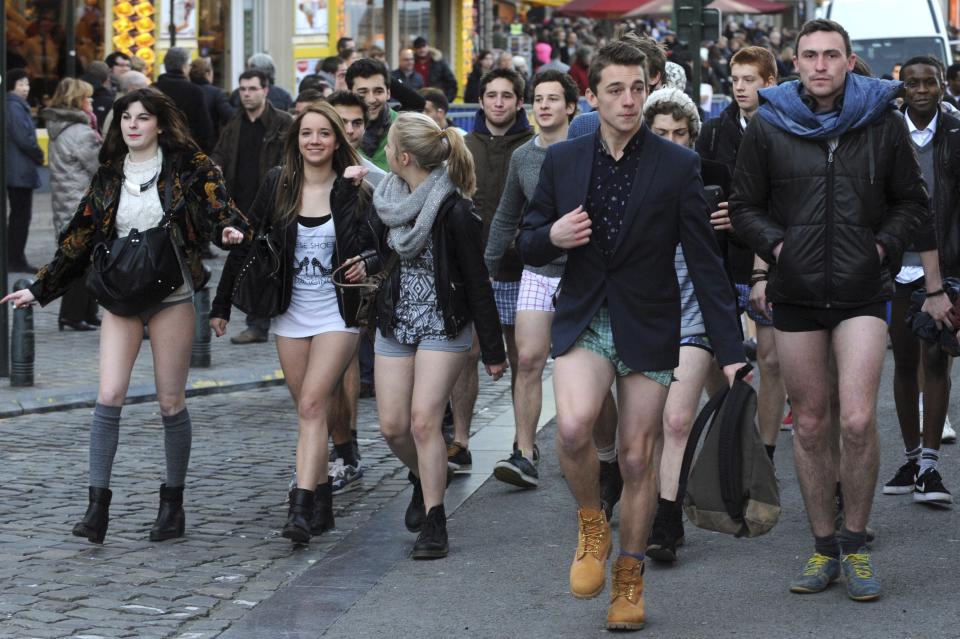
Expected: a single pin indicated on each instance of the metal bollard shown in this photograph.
(22, 349)
(200, 353)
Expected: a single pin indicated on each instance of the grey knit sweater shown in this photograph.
(522, 178)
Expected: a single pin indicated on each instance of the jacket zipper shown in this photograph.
(828, 255)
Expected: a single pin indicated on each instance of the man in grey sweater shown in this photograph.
(554, 105)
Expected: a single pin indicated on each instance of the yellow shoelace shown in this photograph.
(815, 563)
(861, 565)
(592, 531)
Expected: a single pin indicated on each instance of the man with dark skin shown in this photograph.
(935, 136)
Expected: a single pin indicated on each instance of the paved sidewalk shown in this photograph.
(66, 362)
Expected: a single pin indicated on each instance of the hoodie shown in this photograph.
(864, 101)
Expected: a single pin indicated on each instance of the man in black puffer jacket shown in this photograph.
(828, 190)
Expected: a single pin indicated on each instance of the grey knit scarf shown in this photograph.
(410, 216)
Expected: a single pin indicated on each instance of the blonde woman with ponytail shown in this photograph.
(437, 294)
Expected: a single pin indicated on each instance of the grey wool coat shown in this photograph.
(73, 149)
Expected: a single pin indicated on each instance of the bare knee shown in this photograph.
(857, 428)
(769, 362)
(636, 459)
(574, 435)
(112, 396)
(530, 363)
(171, 404)
(810, 430)
(424, 426)
(311, 408)
(394, 431)
(677, 424)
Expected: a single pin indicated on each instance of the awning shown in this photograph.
(545, 3)
(665, 7)
(599, 9)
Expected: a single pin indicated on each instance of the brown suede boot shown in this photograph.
(626, 595)
(588, 570)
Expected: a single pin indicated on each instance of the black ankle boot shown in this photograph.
(93, 526)
(322, 510)
(667, 531)
(416, 513)
(432, 542)
(170, 518)
(300, 515)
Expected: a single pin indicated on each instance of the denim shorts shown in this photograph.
(598, 338)
(390, 347)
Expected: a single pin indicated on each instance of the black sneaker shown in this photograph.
(536, 452)
(518, 471)
(416, 511)
(904, 481)
(459, 457)
(929, 490)
(611, 485)
(432, 542)
(667, 533)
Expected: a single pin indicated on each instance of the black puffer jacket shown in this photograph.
(462, 281)
(353, 237)
(830, 209)
(946, 199)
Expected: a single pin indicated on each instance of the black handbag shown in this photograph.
(131, 274)
(258, 287)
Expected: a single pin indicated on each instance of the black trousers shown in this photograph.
(20, 214)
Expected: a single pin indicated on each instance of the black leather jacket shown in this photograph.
(353, 237)
(830, 209)
(462, 282)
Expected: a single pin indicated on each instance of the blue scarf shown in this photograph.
(864, 101)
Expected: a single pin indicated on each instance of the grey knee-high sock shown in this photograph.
(177, 435)
(104, 435)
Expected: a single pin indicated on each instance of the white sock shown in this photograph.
(929, 459)
(608, 454)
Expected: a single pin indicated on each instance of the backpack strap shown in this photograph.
(705, 417)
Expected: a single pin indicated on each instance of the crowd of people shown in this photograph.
(626, 243)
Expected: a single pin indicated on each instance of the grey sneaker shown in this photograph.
(518, 471)
(819, 573)
(863, 583)
(345, 477)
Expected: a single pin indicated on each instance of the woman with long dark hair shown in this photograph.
(150, 168)
(437, 292)
(481, 66)
(314, 208)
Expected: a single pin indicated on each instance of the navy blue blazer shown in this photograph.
(638, 282)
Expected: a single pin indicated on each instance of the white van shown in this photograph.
(885, 32)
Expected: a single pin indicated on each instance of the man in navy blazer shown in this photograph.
(618, 202)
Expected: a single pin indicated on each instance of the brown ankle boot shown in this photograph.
(626, 595)
(588, 570)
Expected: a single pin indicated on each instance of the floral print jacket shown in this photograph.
(191, 188)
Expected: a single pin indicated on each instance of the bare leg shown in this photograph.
(394, 382)
(343, 408)
(120, 340)
(464, 395)
(809, 390)
(171, 339)
(906, 387)
(641, 421)
(533, 344)
(434, 374)
(771, 395)
(581, 380)
(859, 344)
(679, 412)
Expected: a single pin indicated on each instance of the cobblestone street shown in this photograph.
(232, 558)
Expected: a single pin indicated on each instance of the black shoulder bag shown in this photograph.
(258, 288)
(131, 274)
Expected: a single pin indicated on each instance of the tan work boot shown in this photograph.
(626, 595)
(588, 570)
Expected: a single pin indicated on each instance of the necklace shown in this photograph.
(138, 189)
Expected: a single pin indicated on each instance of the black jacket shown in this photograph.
(189, 97)
(719, 140)
(353, 237)
(463, 284)
(945, 216)
(218, 106)
(830, 209)
(228, 147)
(441, 77)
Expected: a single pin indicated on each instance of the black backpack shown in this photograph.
(731, 487)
